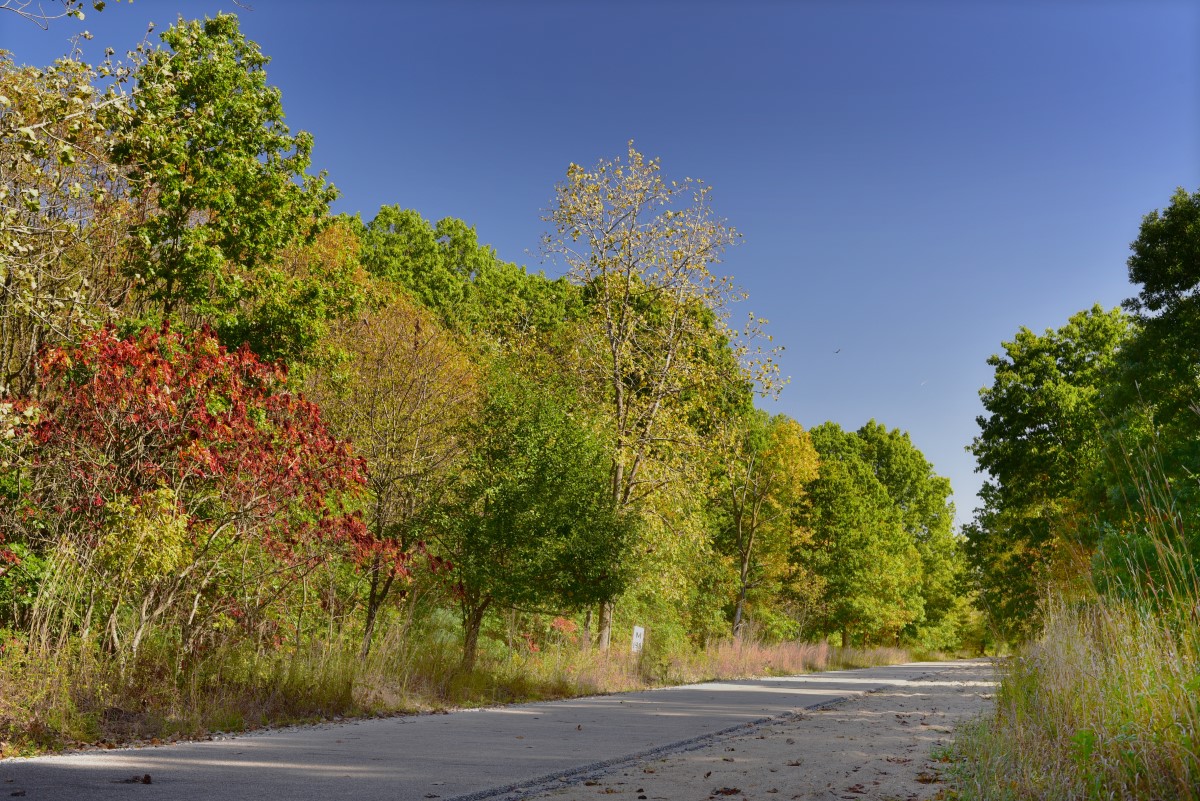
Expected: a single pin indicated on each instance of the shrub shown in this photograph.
(173, 480)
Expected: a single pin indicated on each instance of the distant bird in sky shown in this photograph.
(839, 350)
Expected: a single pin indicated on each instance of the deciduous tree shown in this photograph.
(222, 182)
(1156, 391)
(471, 290)
(643, 250)
(1041, 443)
(403, 396)
(1166, 261)
(535, 525)
(766, 463)
(62, 217)
(922, 499)
(870, 569)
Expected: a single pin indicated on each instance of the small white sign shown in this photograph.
(639, 637)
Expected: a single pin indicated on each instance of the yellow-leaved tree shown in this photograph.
(401, 397)
(63, 213)
(643, 251)
(765, 463)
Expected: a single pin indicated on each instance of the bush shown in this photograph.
(171, 482)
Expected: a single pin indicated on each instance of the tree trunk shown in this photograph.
(586, 640)
(743, 581)
(472, 622)
(845, 637)
(376, 595)
(620, 491)
(604, 639)
(737, 613)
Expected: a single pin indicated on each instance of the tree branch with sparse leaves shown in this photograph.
(38, 15)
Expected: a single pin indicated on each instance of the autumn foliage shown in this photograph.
(174, 482)
(122, 418)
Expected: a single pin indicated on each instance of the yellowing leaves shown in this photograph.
(144, 541)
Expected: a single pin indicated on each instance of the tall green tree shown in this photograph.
(222, 185)
(1166, 263)
(869, 566)
(922, 499)
(1158, 388)
(534, 526)
(471, 290)
(1153, 405)
(1042, 445)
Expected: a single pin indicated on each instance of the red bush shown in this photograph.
(121, 418)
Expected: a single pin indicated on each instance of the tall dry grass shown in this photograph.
(77, 694)
(1106, 703)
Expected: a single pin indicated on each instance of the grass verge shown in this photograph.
(75, 697)
(1106, 703)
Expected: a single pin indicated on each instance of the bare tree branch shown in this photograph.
(38, 15)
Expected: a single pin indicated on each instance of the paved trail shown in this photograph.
(875, 747)
(501, 753)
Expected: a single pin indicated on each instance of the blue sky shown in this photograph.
(914, 180)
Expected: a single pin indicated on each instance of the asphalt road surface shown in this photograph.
(500, 753)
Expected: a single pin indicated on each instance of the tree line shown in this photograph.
(1090, 439)
(231, 420)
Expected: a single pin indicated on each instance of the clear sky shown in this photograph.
(914, 180)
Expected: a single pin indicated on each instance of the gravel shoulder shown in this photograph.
(878, 745)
